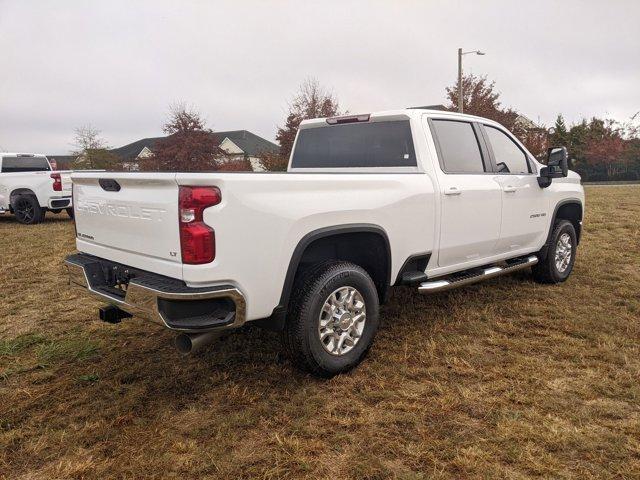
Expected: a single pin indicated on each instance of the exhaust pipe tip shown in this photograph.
(188, 343)
(183, 344)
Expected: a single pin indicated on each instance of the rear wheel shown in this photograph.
(27, 210)
(558, 264)
(332, 318)
(69, 212)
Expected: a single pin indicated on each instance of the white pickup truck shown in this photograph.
(408, 197)
(29, 186)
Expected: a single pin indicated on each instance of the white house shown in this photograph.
(240, 144)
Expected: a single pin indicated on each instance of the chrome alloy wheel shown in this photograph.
(563, 252)
(342, 320)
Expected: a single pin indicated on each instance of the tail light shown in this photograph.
(197, 240)
(57, 182)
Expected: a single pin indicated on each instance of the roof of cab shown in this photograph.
(400, 114)
(21, 154)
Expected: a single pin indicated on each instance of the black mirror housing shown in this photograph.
(557, 166)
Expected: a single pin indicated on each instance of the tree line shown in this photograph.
(600, 149)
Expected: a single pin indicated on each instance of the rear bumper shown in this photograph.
(60, 202)
(166, 301)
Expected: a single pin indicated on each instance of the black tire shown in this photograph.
(301, 334)
(69, 212)
(27, 210)
(546, 270)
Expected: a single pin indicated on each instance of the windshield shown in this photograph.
(376, 144)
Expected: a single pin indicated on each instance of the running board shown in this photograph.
(486, 273)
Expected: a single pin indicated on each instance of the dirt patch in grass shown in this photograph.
(506, 379)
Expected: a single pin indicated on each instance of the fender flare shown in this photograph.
(566, 201)
(277, 318)
(22, 191)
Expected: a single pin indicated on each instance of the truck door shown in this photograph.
(470, 197)
(524, 203)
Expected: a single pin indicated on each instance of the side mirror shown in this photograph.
(557, 166)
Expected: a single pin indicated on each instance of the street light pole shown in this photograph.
(460, 107)
(460, 91)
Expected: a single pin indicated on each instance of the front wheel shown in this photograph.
(558, 264)
(332, 318)
(27, 210)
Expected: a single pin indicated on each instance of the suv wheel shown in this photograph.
(558, 264)
(332, 318)
(69, 211)
(27, 210)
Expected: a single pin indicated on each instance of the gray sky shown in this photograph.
(117, 65)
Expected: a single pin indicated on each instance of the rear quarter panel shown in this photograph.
(39, 183)
(262, 217)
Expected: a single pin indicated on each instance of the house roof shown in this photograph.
(250, 143)
(131, 150)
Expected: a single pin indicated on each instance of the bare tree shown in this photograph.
(311, 101)
(91, 150)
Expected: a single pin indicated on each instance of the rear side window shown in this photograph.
(376, 144)
(509, 158)
(24, 164)
(458, 147)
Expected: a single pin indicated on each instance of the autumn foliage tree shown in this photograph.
(311, 101)
(605, 146)
(480, 98)
(189, 146)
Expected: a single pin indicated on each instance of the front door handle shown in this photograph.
(452, 191)
(510, 189)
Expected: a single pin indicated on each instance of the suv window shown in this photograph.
(24, 164)
(458, 145)
(509, 158)
(376, 144)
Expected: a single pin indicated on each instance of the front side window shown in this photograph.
(509, 158)
(375, 144)
(24, 164)
(459, 147)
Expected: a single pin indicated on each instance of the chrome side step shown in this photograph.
(486, 273)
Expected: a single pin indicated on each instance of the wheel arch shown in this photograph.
(358, 243)
(21, 191)
(570, 209)
(310, 248)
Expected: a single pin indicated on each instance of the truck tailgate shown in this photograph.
(65, 178)
(130, 218)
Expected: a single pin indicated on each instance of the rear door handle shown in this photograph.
(510, 189)
(452, 191)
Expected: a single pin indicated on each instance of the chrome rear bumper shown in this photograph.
(161, 299)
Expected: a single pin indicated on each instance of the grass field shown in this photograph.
(506, 379)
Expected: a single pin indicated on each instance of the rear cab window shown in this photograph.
(13, 164)
(370, 144)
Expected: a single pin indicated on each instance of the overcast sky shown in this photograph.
(117, 65)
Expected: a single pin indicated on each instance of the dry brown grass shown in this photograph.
(507, 379)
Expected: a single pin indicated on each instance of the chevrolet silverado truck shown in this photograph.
(29, 187)
(429, 199)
